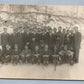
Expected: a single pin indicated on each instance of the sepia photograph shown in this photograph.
(41, 42)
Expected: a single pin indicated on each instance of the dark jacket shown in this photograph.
(4, 39)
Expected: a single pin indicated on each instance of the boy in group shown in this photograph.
(26, 55)
(37, 56)
(46, 55)
(59, 41)
(66, 55)
(7, 55)
(4, 39)
(56, 58)
(15, 55)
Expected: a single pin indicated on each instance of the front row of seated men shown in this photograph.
(39, 56)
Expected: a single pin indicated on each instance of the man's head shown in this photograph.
(7, 47)
(64, 30)
(68, 31)
(36, 47)
(71, 31)
(55, 30)
(59, 28)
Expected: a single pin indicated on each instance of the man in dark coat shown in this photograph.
(20, 40)
(46, 55)
(59, 38)
(4, 40)
(14, 39)
(72, 40)
(25, 37)
(77, 42)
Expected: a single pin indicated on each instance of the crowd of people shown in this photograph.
(38, 45)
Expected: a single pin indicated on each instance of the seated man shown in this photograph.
(36, 55)
(66, 55)
(56, 57)
(15, 55)
(46, 55)
(26, 55)
(7, 55)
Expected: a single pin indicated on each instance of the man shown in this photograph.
(4, 39)
(77, 42)
(55, 56)
(66, 55)
(50, 39)
(20, 39)
(46, 55)
(64, 35)
(71, 39)
(7, 55)
(67, 39)
(25, 55)
(46, 36)
(54, 37)
(25, 37)
(59, 39)
(36, 55)
(15, 59)
(14, 39)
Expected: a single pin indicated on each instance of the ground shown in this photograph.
(45, 72)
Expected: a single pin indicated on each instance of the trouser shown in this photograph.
(76, 55)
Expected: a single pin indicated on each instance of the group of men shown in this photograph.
(40, 45)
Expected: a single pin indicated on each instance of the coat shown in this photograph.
(4, 39)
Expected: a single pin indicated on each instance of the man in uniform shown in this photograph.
(46, 55)
(14, 39)
(54, 37)
(4, 40)
(77, 42)
(25, 37)
(59, 39)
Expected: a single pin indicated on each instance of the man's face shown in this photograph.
(7, 47)
(59, 29)
(72, 31)
(36, 47)
(55, 30)
(64, 30)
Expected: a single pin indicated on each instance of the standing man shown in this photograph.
(59, 38)
(25, 38)
(77, 42)
(4, 39)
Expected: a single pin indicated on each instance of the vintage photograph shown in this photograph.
(41, 42)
